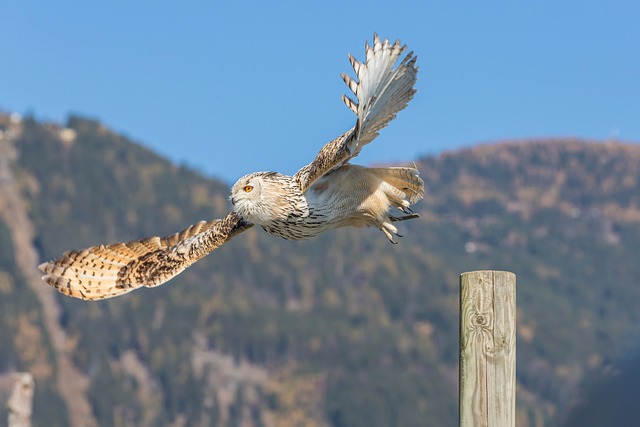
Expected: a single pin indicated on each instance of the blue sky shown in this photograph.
(235, 87)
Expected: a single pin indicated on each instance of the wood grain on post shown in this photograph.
(487, 349)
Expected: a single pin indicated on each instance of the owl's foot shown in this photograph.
(389, 230)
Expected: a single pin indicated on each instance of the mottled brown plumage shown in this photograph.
(107, 271)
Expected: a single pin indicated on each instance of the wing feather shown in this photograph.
(101, 272)
(381, 92)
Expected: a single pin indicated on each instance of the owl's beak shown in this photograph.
(233, 201)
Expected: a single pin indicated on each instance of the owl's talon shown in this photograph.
(404, 217)
(405, 209)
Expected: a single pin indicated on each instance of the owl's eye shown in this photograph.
(248, 188)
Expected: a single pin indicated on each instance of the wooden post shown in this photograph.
(21, 400)
(487, 349)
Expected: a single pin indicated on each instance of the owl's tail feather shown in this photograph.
(101, 272)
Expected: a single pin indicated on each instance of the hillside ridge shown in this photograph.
(343, 329)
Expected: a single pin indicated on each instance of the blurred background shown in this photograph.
(124, 120)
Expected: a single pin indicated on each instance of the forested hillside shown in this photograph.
(342, 330)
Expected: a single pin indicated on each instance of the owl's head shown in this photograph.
(255, 196)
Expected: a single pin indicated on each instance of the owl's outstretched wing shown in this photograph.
(381, 92)
(101, 272)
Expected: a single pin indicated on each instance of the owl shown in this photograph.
(329, 192)
(326, 194)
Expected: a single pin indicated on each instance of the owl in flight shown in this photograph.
(327, 193)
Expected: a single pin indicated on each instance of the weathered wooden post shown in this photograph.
(487, 349)
(21, 400)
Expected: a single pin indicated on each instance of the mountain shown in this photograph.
(342, 330)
